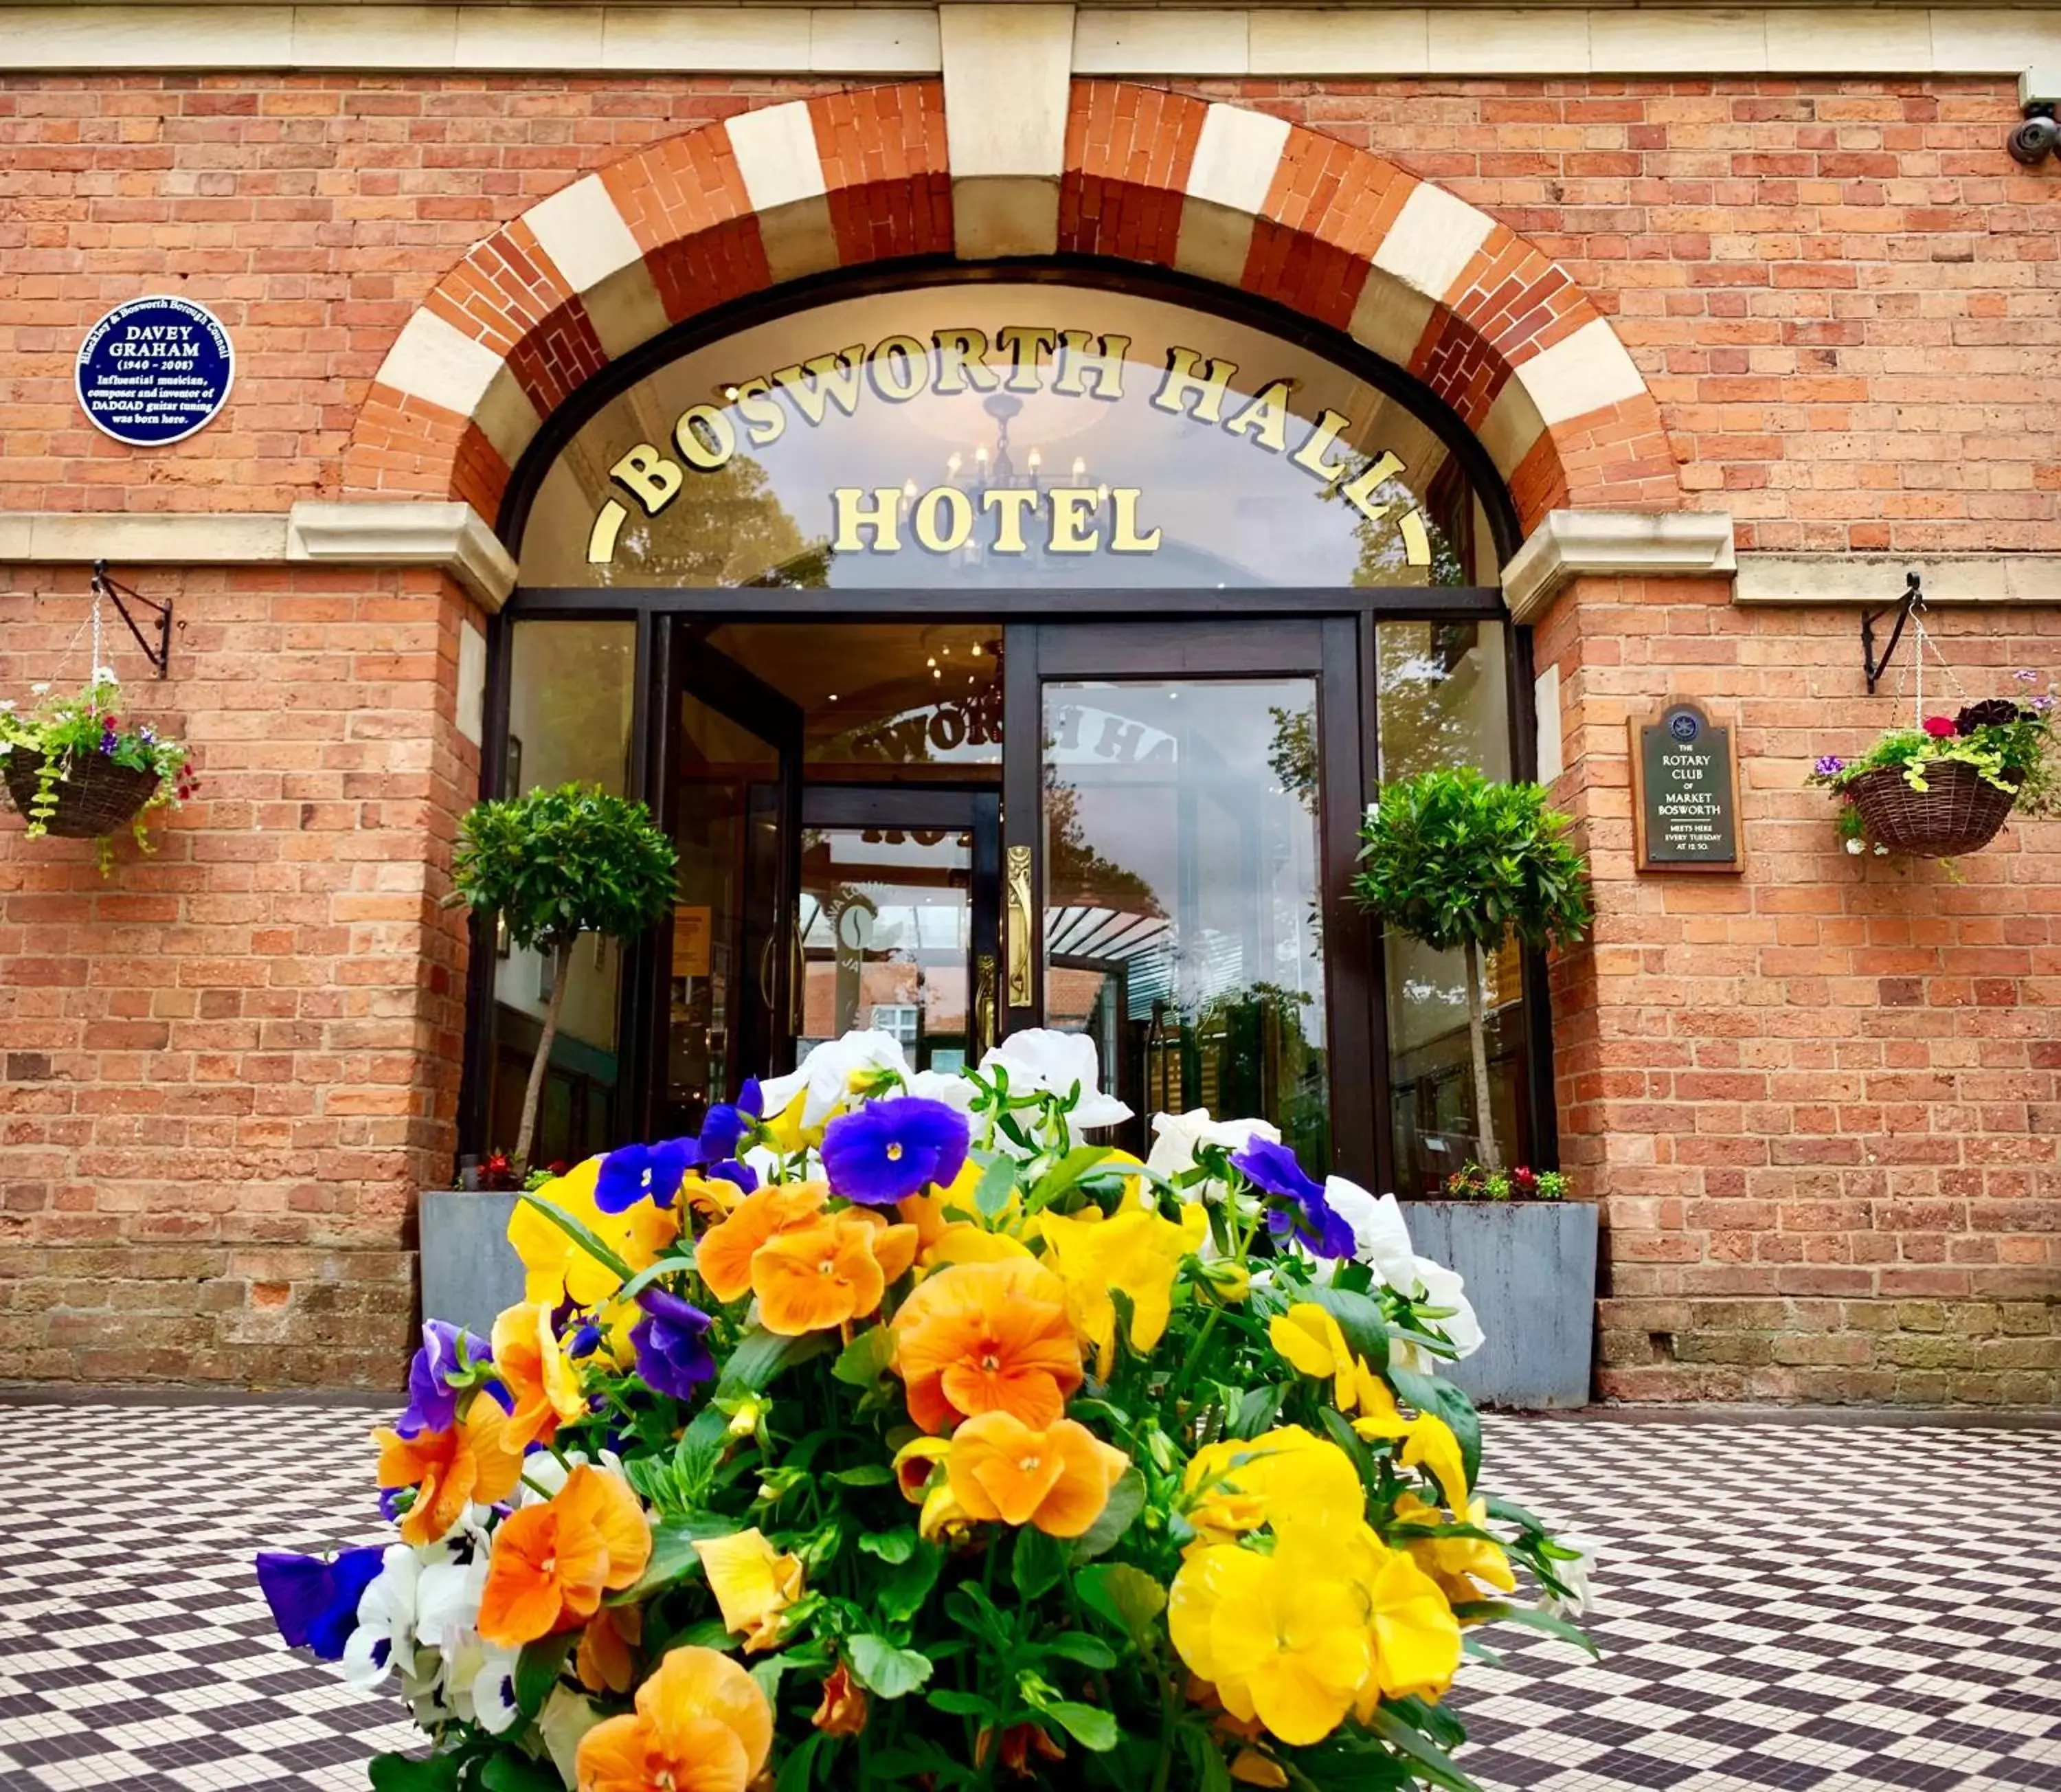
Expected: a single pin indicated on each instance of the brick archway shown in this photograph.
(1490, 324)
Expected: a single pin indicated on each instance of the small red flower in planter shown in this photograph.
(1940, 727)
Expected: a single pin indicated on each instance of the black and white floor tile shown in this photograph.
(1783, 1608)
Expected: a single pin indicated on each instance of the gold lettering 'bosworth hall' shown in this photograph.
(1023, 360)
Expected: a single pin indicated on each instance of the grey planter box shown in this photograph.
(470, 1270)
(1531, 1271)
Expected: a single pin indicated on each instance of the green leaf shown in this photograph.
(678, 1263)
(1360, 1319)
(1257, 1409)
(864, 1360)
(768, 1671)
(997, 1184)
(1127, 1500)
(795, 1770)
(892, 1546)
(1037, 1563)
(1077, 1646)
(901, 1595)
(507, 1771)
(580, 1235)
(1428, 1394)
(402, 1773)
(673, 1559)
(536, 1670)
(1511, 1512)
(867, 1474)
(882, 1668)
(1501, 1611)
(1129, 1597)
(1091, 1728)
(760, 1355)
(1432, 1762)
(963, 1704)
(1064, 1174)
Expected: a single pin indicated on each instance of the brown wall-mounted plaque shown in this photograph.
(1685, 793)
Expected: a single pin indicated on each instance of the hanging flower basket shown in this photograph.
(1959, 810)
(1946, 787)
(94, 796)
(73, 769)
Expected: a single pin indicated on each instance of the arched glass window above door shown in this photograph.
(1009, 433)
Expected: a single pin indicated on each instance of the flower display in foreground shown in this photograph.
(893, 1433)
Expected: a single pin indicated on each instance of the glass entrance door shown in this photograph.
(1182, 808)
(731, 747)
(900, 893)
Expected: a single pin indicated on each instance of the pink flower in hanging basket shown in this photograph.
(1940, 727)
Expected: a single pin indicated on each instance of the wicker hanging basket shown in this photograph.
(95, 796)
(1960, 812)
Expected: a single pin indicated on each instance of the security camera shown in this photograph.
(2034, 141)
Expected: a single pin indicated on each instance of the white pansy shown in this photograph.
(1176, 1138)
(6, 705)
(386, 1614)
(105, 674)
(949, 1087)
(1043, 1061)
(1381, 1237)
(1581, 1599)
(41, 690)
(1443, 1288)
(764, 1162)
(447, 1596)
(492, 1688)
(825, 1074)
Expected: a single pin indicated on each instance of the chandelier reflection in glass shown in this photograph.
(1001, 524)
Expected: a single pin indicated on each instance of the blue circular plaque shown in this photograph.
(154, 369)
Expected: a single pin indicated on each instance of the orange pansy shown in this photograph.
(533, 1367)
(476, 1460)
(1058, 1478)
(553, 1562)
(985, 1337)
(701, 1724)
(824, 1274)
(607, 1658)
(723, 1253)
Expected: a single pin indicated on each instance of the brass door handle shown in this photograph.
(1016, 877)
(983, 1004)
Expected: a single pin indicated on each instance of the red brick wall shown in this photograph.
(1821, 1099)
(1841, 292)
(225, 1069)
(310, 213)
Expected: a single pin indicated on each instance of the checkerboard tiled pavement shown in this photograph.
(1783, 1606)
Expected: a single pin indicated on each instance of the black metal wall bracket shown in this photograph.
(1911, 603)
(161, 655)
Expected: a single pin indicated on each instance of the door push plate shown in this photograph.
(1017, 875)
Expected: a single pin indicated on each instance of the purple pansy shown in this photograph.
(652, 1173)
(671, 1342)
(732, 1170)
(888, 1149)
(1829, 765)
(432, 1397)
(727, 1122)
(2026, 676)
(314, 1602)
(1273, 1167)
(2042, 704)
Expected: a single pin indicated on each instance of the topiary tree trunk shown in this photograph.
(1491, 1153)
(561, 971)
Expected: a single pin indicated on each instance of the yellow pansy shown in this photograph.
(1138, 1252)
(1415, 1637)
(558, 1267)
(1428, 1442)
(1456, 1563)
(1309, 1339)
(963, 1243)
(1285, 1478)
(754, 1584)
(1289, 1647)
(786, 1130)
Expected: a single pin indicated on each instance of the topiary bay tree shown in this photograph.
(554, 864)
(1462, 863)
